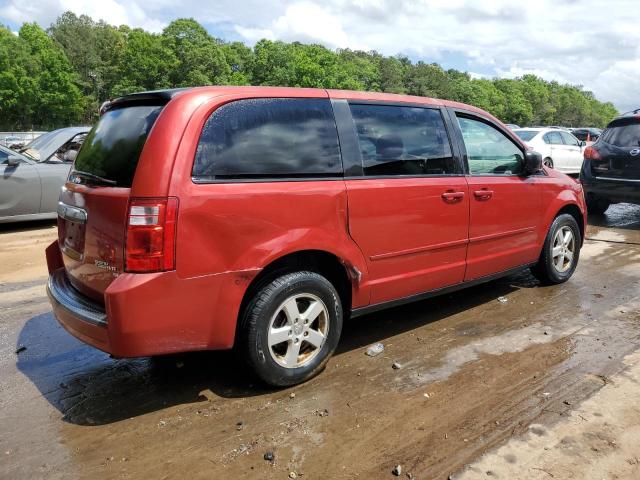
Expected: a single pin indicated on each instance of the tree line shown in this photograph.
(60, 76)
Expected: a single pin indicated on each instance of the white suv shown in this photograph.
(559, 148)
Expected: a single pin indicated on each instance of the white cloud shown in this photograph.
(581, 42)
(111, 11)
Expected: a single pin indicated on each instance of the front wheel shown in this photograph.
(291, 327)
(548, 162)
(561, 251)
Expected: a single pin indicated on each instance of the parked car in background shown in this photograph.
(30, 181)
(17, 140)
(60, 145)
(586, 134)
(260, 218)
(512, 126)
(559, 148)
(611, 169)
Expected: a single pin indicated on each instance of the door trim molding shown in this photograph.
(509, 233)
(412, 251)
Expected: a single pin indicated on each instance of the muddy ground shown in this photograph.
(546, 385)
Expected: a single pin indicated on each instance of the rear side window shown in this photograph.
(553, 138)
(489, 151)
(112, 148)
(396, 140)
(569, 139)
(269, 138)
(526, 135)
(625, 136)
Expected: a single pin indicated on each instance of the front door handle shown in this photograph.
(452, 197)
(484, 194)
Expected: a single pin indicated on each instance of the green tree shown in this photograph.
(240, 59)
(361, 68)
(200, 58)
(95, 50)
(60, 78)
(517, 108)
(17, 84)
(146, 63)
(427, 80)
(57, 100)
(392, 71)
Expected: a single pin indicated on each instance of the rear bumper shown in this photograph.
(150, 314)
(614, 189)
(78, 315)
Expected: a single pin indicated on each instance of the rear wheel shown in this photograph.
(547, 162)
(291, 327)
(597, 205)
(561, 251)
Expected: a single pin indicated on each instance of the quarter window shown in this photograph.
(269, 138)
(489, 151)
(398, 140)
(569, 139)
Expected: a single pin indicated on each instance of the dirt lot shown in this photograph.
(546, 385)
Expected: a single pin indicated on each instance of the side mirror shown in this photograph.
(532, 162)
(13, 161)
(583, 143)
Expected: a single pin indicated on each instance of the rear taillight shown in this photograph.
(151, 235)
(591, 153)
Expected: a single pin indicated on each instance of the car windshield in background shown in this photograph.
(112, 148)
(32, 149)
(526, 135)
(623, 135)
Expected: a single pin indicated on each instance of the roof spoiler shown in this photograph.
(156, 97)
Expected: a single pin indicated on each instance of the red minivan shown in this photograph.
(260, 218)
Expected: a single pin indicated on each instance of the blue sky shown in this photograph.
(586, 42)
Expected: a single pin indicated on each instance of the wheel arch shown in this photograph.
(573, 210)
(341, 274)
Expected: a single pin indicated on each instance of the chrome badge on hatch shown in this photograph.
(104, 265)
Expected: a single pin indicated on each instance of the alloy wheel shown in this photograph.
(563, 249)
(298, 330)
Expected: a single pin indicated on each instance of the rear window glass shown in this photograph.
(623, 135)
(526, 135)
(269, 138)
(112, 148)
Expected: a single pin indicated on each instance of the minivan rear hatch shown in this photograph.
(619, 150)
(92, 213)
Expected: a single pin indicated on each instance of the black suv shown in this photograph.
(586, 134)
(611, 169)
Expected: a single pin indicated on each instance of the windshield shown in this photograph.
(32, 149)
(526, 135)
(112, 148)
(623, 135)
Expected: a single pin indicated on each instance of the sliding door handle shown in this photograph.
(484, 194)
(452, 197)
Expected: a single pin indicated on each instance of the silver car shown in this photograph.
(30, 181)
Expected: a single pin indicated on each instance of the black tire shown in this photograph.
(261, 309)
(548, 162)
(597, 205)
(545, 270)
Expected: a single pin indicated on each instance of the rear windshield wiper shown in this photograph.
(93, 178)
